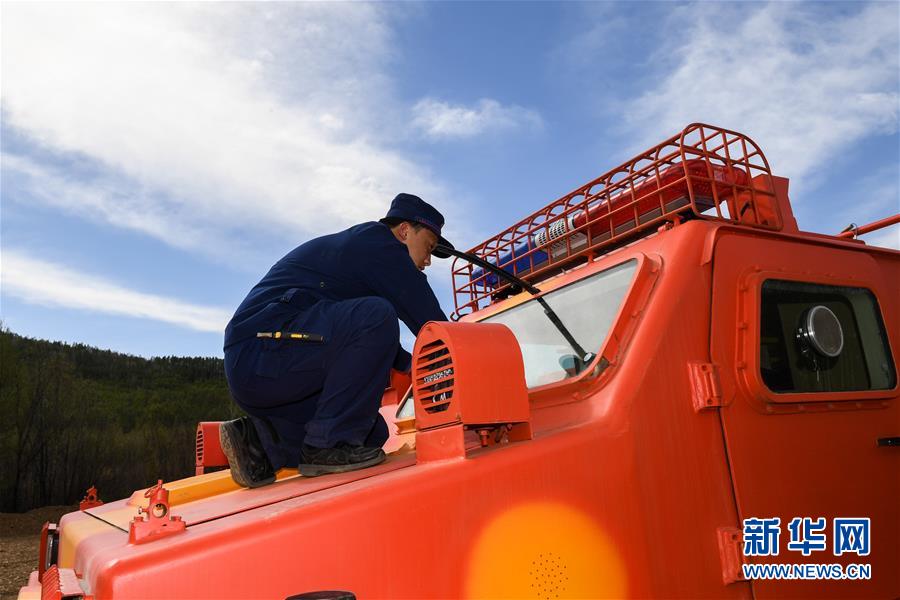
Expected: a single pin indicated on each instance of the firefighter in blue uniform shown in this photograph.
(309, 351)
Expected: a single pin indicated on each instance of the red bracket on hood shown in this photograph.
(90, 500)
(159, 523)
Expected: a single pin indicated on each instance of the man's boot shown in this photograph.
(250, 467)
(343, 457)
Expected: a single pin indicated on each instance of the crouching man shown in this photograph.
(313, 398)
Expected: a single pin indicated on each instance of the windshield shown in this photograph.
(587, 308)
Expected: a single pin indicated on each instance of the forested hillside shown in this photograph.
(72, 416)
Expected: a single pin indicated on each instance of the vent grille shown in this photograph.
(434, 377)
(199, 452)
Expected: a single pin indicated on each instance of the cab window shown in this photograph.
(822, 338)
(587, 308)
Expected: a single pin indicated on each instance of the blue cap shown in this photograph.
(414, 209)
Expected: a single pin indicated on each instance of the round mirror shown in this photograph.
(821, 329)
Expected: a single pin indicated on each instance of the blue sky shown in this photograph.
(158, 158)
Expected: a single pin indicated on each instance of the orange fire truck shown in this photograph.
(655, 386)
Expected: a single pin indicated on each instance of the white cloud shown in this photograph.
(252, 116)
(112, 201)
(39, 282)
(441, 120)
(803, 85)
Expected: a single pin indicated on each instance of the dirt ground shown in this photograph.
(20, 536)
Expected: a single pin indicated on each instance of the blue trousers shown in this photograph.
(319, 394)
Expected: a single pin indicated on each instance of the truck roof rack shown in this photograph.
(703, 172)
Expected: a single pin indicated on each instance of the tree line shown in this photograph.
(72, 416)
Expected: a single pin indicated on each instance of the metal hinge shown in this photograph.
(730, 554)
(705, 389)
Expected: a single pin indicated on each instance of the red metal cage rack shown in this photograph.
(703, 172)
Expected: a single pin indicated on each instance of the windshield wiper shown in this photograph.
(584, 357)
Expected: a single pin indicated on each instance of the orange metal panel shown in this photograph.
(243, 499)
(817, 455)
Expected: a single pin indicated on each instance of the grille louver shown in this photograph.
(199, 452)
(434, 377)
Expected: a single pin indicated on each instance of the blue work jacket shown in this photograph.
(365, 260)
